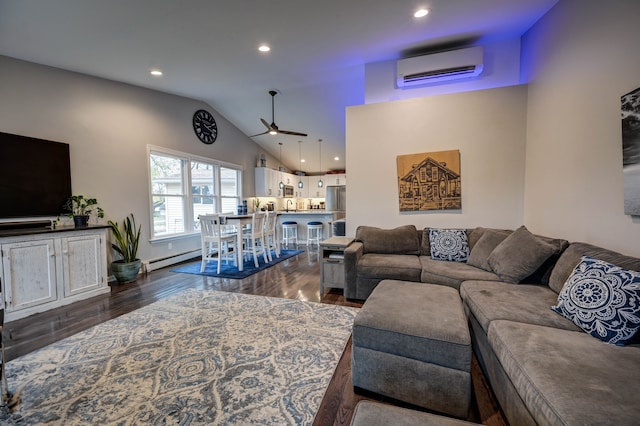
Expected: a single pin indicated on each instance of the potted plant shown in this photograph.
(81, 209)
(126, 240)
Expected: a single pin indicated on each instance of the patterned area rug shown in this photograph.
(199, 357)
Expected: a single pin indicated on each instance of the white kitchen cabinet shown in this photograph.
(288, 178)
(267, 182)
(46, 270)
(304, 191)
(264, 178)
(336, 179)
(314, 191)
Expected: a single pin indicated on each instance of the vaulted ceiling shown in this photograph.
(208, 50)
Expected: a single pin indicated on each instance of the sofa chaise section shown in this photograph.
(542, 367)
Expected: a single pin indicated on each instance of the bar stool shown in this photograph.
(289, 232)
(314, 232)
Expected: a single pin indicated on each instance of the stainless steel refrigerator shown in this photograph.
(336, 198)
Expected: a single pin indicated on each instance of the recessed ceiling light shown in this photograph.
(264, 48)
(421, 13)
(156, 73)
(303, 161)
(336, 158)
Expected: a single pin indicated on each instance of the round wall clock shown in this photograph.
(205, 126)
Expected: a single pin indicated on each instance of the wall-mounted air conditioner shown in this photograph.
(439, 67)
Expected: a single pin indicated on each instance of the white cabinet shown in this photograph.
(50, 269)
(264, 180)
(276, 178)
(336, 179)
(314, 190)
(267, 183)
(30, 274)
(304, 191)
(82, 264)
(287, 178)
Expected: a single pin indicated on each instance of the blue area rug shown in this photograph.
(231, 271)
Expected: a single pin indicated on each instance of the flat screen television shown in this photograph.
(35, 177)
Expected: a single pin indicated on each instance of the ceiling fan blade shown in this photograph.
(288, 132)
(267, 125)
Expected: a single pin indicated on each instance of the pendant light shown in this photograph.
(281, 184)
(300, 183)
(320, 182)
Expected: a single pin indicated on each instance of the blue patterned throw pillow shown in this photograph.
(602, 299)
(449, 244)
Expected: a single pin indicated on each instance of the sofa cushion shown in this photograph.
(494, 300)
(480, 253)
(572, 255)
(603, 300)
(451, 274)
(567, 377)
(449, 244)
(519, 255)
(425, 248)
(474, 234)
(542, 274)
(400, 240)
(392, 266)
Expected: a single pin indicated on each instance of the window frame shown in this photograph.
(187, 189)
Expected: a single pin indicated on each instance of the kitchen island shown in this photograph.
(305, 216)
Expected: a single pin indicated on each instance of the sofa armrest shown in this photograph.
(352, 255)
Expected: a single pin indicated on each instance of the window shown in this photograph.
(184, 186)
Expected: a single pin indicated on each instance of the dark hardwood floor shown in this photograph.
(295, 278)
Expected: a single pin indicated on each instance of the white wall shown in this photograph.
(487, 126)
(580, 58)
(108, 126)
(501, 68)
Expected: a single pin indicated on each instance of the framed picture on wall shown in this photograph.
(630, 109)
(429, 181)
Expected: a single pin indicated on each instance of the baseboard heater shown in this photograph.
(162, 262)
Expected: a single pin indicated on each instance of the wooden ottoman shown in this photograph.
(411, 342)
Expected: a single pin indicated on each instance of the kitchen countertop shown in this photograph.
(313, 211)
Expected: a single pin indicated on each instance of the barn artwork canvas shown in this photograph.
(429, 181)
(630, 108)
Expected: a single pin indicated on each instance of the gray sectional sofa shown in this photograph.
(542, 367)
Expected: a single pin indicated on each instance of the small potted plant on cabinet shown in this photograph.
(81, 209)
(126, 245)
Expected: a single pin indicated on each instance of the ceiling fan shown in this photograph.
(272, 128)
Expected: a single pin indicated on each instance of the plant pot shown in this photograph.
(81, 221)
(126, 272)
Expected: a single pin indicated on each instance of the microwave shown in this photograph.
(287, 191)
